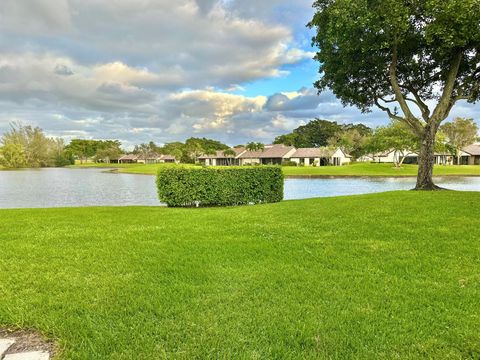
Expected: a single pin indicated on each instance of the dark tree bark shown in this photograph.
(426, 161)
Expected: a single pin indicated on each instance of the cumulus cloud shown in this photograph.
(160, 70)
(184, 42)
(34, 16)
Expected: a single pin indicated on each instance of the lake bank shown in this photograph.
(392, 275)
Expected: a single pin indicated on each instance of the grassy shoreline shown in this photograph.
(392, 275)
(354, 170)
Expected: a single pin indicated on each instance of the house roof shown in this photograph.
(473, 149)
(275, 151)
(313, 153)
(167, 157)
(129, 157)
(153, 156)
(250, 154)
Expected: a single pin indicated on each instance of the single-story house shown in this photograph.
(276, 155)
(320, 157)
(128, 159)
(271, 154)
(470, 155)
(222, 159)
(472, 152)
(167, 159)
(250, 157)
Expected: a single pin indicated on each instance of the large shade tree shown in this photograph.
(413, 59)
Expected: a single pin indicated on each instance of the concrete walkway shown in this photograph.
(6, 344)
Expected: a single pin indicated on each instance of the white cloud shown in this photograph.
(141, 70)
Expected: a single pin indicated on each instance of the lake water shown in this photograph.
(94, 187)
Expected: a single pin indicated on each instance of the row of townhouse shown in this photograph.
(150, 159)
(470, 155)
(277, 155)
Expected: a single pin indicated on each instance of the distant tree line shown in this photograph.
(358, 140)
(186, 152)
(98, 150)
(27, 146)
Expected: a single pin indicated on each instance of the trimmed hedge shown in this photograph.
(225, 186)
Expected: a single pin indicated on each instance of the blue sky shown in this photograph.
(162, 70)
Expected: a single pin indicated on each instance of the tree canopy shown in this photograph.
(406, 53)
(317, 133)
(396, 137)
(27, 146)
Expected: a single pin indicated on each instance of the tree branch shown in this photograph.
(419, 102)
(409, 117)
(395, 117)
(446, 101)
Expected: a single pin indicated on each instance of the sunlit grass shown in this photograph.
(382, 276)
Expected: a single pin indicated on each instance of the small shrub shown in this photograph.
(289, 163)
(226, 186)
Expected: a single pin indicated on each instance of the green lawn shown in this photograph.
(368, 169)
(383, 276)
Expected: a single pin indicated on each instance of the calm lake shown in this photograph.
(94, 187)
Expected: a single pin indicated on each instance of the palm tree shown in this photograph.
(255, 146)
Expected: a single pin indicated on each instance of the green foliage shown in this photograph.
(409, 53)
(356, 41)
(460, 133)
(12, 155)
(183, 186)
(287, 139)
(101, 150)
(82, 149)
(26, 146)
(64, 159)
(351, 141)
(319, 133)
(255, 146)
(396, 136)
(189, 151)
(289, 163)
(314, 134)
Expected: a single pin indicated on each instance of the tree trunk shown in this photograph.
(426, 160)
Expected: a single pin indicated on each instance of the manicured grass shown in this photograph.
(369, 169)
(384, 276)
